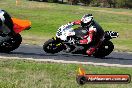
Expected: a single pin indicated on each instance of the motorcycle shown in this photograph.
(15, 39)
(66, 40)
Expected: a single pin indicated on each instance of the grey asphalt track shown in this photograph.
(36, 52)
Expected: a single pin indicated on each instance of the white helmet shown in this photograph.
(87, 20)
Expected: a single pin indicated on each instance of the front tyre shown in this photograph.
(105, 49)
(52, 46)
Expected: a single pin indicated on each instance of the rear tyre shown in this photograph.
(11, 44)
(105, 49)
(51, 46)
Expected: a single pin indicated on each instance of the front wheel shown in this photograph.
(51, 46)
(105, 49)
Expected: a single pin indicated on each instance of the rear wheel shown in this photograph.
(11, 44)
(105, 49)
(51, 46)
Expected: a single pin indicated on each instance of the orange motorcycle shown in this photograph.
(15, 39)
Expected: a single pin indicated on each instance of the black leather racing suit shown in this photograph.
(6, 26)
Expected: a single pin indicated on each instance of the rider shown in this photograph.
(94, 32)
(6, 26)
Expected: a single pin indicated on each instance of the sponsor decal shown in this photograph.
(83, 78)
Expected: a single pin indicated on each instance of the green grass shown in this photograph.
(30, 74)
(47, 17)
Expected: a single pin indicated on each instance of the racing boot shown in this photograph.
(90, 51)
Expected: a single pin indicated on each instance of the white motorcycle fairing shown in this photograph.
(65, 31)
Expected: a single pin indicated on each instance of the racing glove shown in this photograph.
(77, 22)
